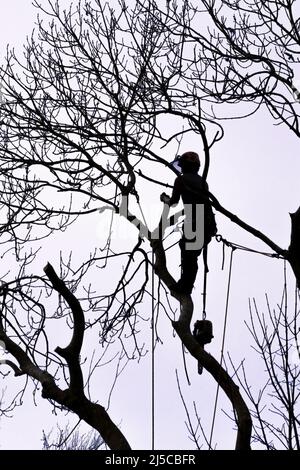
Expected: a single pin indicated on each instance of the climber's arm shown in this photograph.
(174, 199)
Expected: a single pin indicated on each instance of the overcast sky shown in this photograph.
(255, 174)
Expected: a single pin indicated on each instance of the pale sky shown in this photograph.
(255, 174)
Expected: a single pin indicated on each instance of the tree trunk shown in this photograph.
(293, 255)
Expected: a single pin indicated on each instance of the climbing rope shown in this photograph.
(110, 230)
(152, 341)
(204, 281)
(223, 344)
(236, 246)
(141, 210)
(153, 361)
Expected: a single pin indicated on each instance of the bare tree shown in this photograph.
(82, 126)
(275, 402)
(67, 439)
(247, 54)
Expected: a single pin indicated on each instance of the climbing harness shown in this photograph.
(203, 334)
(203, 329)
(223, 343)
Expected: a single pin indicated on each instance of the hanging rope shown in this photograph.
(110, 229)
(223, 344)
(152, 340)
(141, 210)
(184, 365)
(204, 281)
(236, 246)
(153, 361)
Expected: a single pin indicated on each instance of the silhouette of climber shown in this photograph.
(191, 188)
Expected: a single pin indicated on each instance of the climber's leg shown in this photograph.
(189, 268)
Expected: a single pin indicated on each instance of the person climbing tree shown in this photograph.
(199, 225)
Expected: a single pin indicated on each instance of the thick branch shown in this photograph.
(71, 399)
(234, 218)
(182, 327)
(12, 365)
(26, 366)
(72, 352)
(91, 413)
(294, 248)
(244, 422)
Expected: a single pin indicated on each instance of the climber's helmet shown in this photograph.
(189, 162)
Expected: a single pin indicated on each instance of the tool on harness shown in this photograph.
(203, 334)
